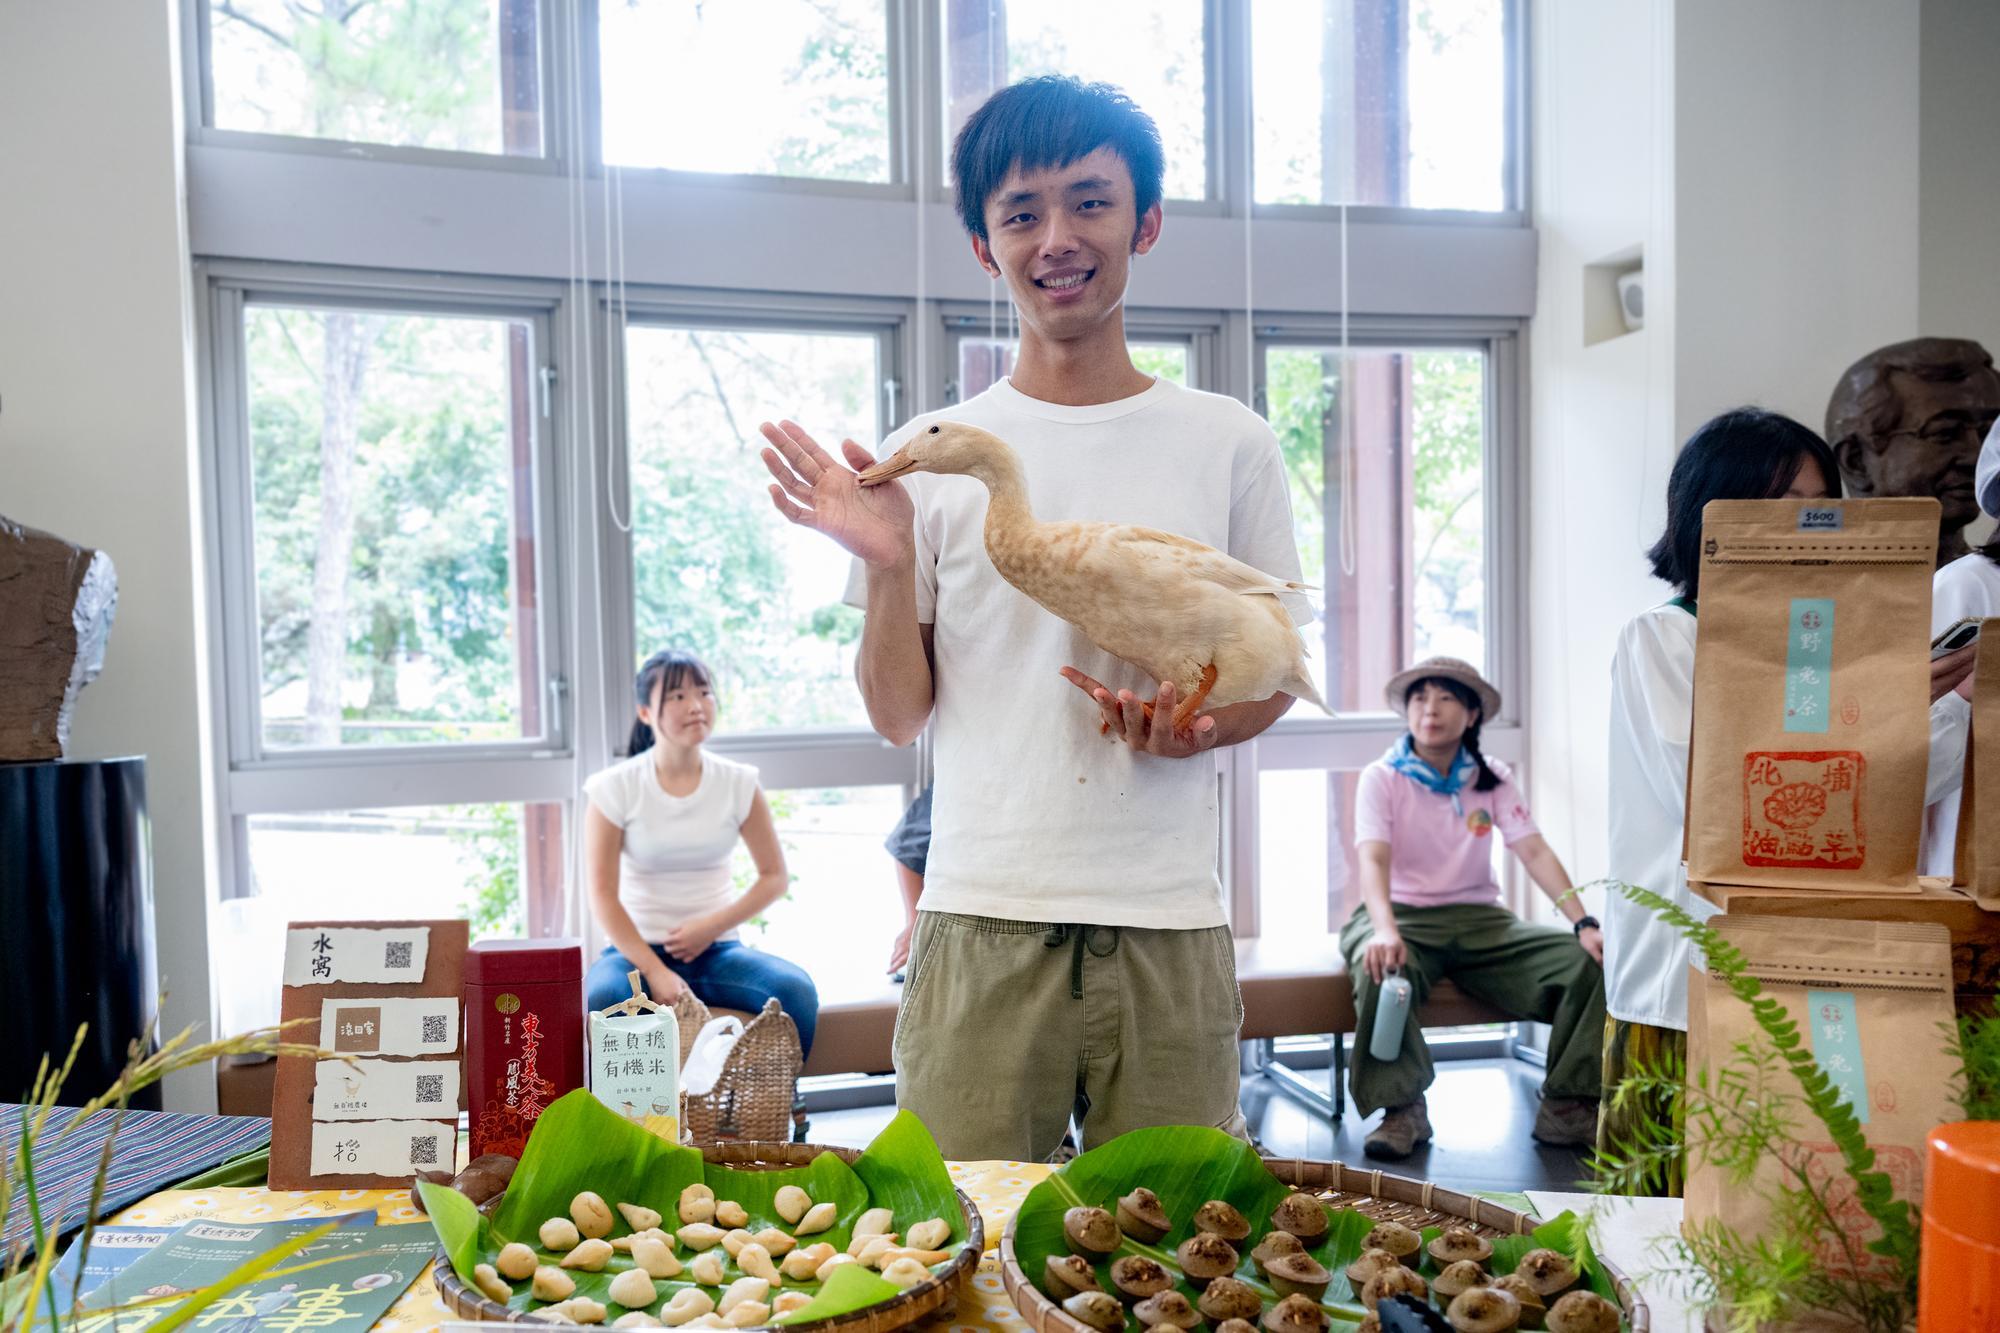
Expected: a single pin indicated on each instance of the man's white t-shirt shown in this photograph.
(1036, 816)
(675, 865)
(1968, 586)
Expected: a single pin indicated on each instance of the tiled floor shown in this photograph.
(1481, 1111)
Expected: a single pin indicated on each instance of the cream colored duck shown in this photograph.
(1175, 609)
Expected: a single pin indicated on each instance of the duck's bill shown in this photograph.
(893, 466)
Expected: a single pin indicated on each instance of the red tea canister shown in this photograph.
(523, 1036)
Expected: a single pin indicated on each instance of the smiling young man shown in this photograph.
(1071, 950)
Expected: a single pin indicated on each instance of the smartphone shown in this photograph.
(1961, 635)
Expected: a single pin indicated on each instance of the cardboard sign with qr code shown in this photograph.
(386, 996)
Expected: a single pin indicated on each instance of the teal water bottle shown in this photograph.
(1392, 1014)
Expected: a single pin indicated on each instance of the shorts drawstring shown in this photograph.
(1081, 937)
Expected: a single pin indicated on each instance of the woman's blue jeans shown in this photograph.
(728, 975)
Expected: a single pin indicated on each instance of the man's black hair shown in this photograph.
(1051, 121)
(1745, 454)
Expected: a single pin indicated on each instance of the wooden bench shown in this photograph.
(1291, 988)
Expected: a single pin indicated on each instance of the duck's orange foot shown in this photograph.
(1184, 715)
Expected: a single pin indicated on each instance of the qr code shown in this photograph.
(396, 953)
(423, 1150)
(430, 1087)
(434, 1032)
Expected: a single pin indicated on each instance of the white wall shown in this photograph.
(1959, 172)
(1600, 416)
(96, 404)
(1796, 148)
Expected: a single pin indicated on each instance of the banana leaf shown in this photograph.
(579, 1144)
(1189, 1165)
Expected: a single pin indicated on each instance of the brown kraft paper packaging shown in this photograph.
(1873, 1002)
(1976, 861)
(1811, 694)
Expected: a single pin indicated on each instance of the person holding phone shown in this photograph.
(1966, 589)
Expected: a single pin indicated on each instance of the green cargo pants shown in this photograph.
(1007, 1027)
(1526, 971)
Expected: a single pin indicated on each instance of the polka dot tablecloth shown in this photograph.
(997, 1188)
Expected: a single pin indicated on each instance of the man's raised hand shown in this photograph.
(815, 490)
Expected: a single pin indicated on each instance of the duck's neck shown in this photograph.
(1008, 517)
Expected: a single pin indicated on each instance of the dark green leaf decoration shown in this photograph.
(580, 1144)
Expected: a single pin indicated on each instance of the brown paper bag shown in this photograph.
(1873, 1002)
(1976, 861)
(1811, 694)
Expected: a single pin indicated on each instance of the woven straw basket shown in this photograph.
(752, 1098)
(940, 1292)
(1415, 1203)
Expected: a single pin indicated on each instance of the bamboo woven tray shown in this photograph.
(1415, 1203)
(939, 1293)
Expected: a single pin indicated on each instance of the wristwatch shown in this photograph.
(1586, 922)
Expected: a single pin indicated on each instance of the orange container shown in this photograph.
(1958, 1286)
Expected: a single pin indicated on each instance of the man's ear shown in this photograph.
(983, 252)
(1147, 235)
(1849, 454)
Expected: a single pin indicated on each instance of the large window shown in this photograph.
(1155, 52)
(715, 567)
(396, 535)
(1388, 102)
(390, 608)
(463, 75)
(777, 88)
(1388, 503)
(482, 416)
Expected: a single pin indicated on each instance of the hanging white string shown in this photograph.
(1349, 507)
(614, 333)
(921, 189)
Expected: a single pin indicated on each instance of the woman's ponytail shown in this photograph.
(642, 739)
(1488, 779)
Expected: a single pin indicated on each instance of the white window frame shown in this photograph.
(251, 780)
(1201, 333)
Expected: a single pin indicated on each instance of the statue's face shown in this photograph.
(1933, 446)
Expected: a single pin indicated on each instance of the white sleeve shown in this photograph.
(1653, 681)
(1958, 592)
(1260, 517)
(1951, 723)
(745, 794)
(611, 794)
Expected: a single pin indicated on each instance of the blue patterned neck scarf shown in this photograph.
(1403, 757)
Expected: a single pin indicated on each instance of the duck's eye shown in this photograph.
(934, 430)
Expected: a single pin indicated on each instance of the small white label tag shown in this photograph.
(1822, 518)
(319, 955)
(384, 1089)
(426, 1025)
(381, 1147)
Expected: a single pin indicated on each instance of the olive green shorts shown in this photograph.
(1008, 1027)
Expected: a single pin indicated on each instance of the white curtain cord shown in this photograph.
(1348, 504)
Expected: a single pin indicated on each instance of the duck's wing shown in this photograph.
(1197, 560)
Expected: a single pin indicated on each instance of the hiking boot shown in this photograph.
(1401, 1130)
(1567, 1122)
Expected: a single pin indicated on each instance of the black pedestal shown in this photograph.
(76, 922)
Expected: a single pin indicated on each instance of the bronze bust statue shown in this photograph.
(1908, 419)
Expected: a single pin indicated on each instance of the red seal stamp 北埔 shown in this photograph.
(1803, 809)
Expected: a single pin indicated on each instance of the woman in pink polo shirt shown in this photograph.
(1430, 908)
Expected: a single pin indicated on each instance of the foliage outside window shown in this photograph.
(776, 88)
(1417, 428)
(394, 533)
(447, 74)
(1399, 103)
(715, 567)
